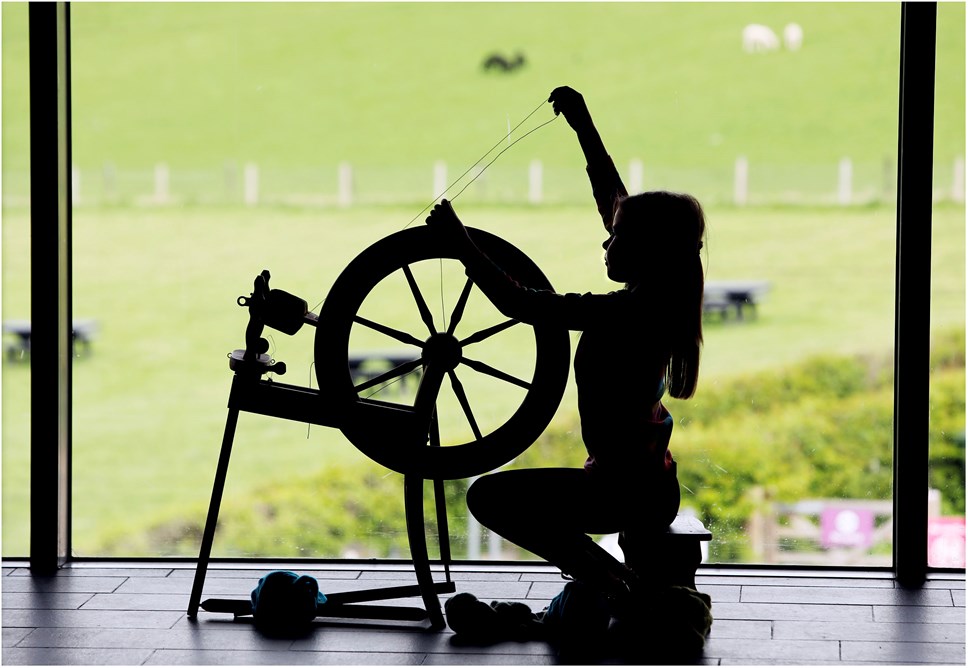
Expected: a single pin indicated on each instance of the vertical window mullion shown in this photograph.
(912, 320)
(50, 300)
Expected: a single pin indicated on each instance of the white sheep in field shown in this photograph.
(758, 37)
(793, 36)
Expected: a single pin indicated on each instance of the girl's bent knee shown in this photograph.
(489, 502)
(480, 497)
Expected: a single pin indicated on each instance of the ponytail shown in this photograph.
(682, 372)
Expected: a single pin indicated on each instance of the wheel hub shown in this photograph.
(442, 350)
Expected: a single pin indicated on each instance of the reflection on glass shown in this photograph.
(290, 137)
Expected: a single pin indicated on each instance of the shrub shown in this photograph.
(821, 429)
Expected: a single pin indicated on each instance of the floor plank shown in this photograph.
(46, 600)
(30, 656)
(87, 619)
(904, 652)
(205, 657)
(806, 651)
(12, 636)
(900, 632)
(798, 612)
(918, 614)
(845, 596)
(62, 584)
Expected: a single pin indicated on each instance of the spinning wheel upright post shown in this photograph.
(404, 438)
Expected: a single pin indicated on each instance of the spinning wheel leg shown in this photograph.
(442, 529)
(208, 536)
(440, 504)
(413, 505)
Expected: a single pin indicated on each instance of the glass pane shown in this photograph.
(238, 148)
(16, 282)
(946, 500)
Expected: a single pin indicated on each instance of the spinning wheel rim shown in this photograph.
(491, 450)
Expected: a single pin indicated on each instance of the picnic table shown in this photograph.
(737, 296)
(367, 364)
(19, 347)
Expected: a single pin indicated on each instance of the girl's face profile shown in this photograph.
(620, 252)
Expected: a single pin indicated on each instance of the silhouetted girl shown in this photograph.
(636, 343)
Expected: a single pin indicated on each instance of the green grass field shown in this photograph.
(399, 84)
(195, 84)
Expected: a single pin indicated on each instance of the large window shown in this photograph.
(214, 140)
(15, 240)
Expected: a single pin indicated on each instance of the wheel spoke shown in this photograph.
(395, 372)
(464, 404)
(491, 371)
(459, 308)
(477, 337)
(418, 297)
(402, 337)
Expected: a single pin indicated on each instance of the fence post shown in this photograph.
(473, 538)
(635, 176)
(958, 185)
(844, 181)
(162, 193)
(741, 181)
(75, 185)
(756, 527)
(494, 546)
(480, 181)
(890, 179)
(250, 184)
(230, 172)
(345, 195)
(440, 179)
(474, 531)
(534, 182)
(110, 175)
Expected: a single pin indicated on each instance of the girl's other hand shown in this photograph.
(444, 221)
(568, 101)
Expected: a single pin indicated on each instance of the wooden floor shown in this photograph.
(133, 614)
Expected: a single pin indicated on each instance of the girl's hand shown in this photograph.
(568, 101)
(444, 221)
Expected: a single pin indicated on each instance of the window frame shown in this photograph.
(50, 151)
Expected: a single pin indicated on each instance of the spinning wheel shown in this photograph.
(403, 435)
(440, 351)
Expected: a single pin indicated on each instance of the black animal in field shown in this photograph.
(502, 63)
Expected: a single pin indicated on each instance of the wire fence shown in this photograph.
(743, 183)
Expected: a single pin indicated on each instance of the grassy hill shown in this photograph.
(195, 84)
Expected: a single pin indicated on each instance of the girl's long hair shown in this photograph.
(675, 222)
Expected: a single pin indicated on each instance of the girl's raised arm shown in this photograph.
(607, 186)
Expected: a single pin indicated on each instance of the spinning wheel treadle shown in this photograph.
(442, 354)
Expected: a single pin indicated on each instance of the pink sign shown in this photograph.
(846, 527)
(946, 542)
